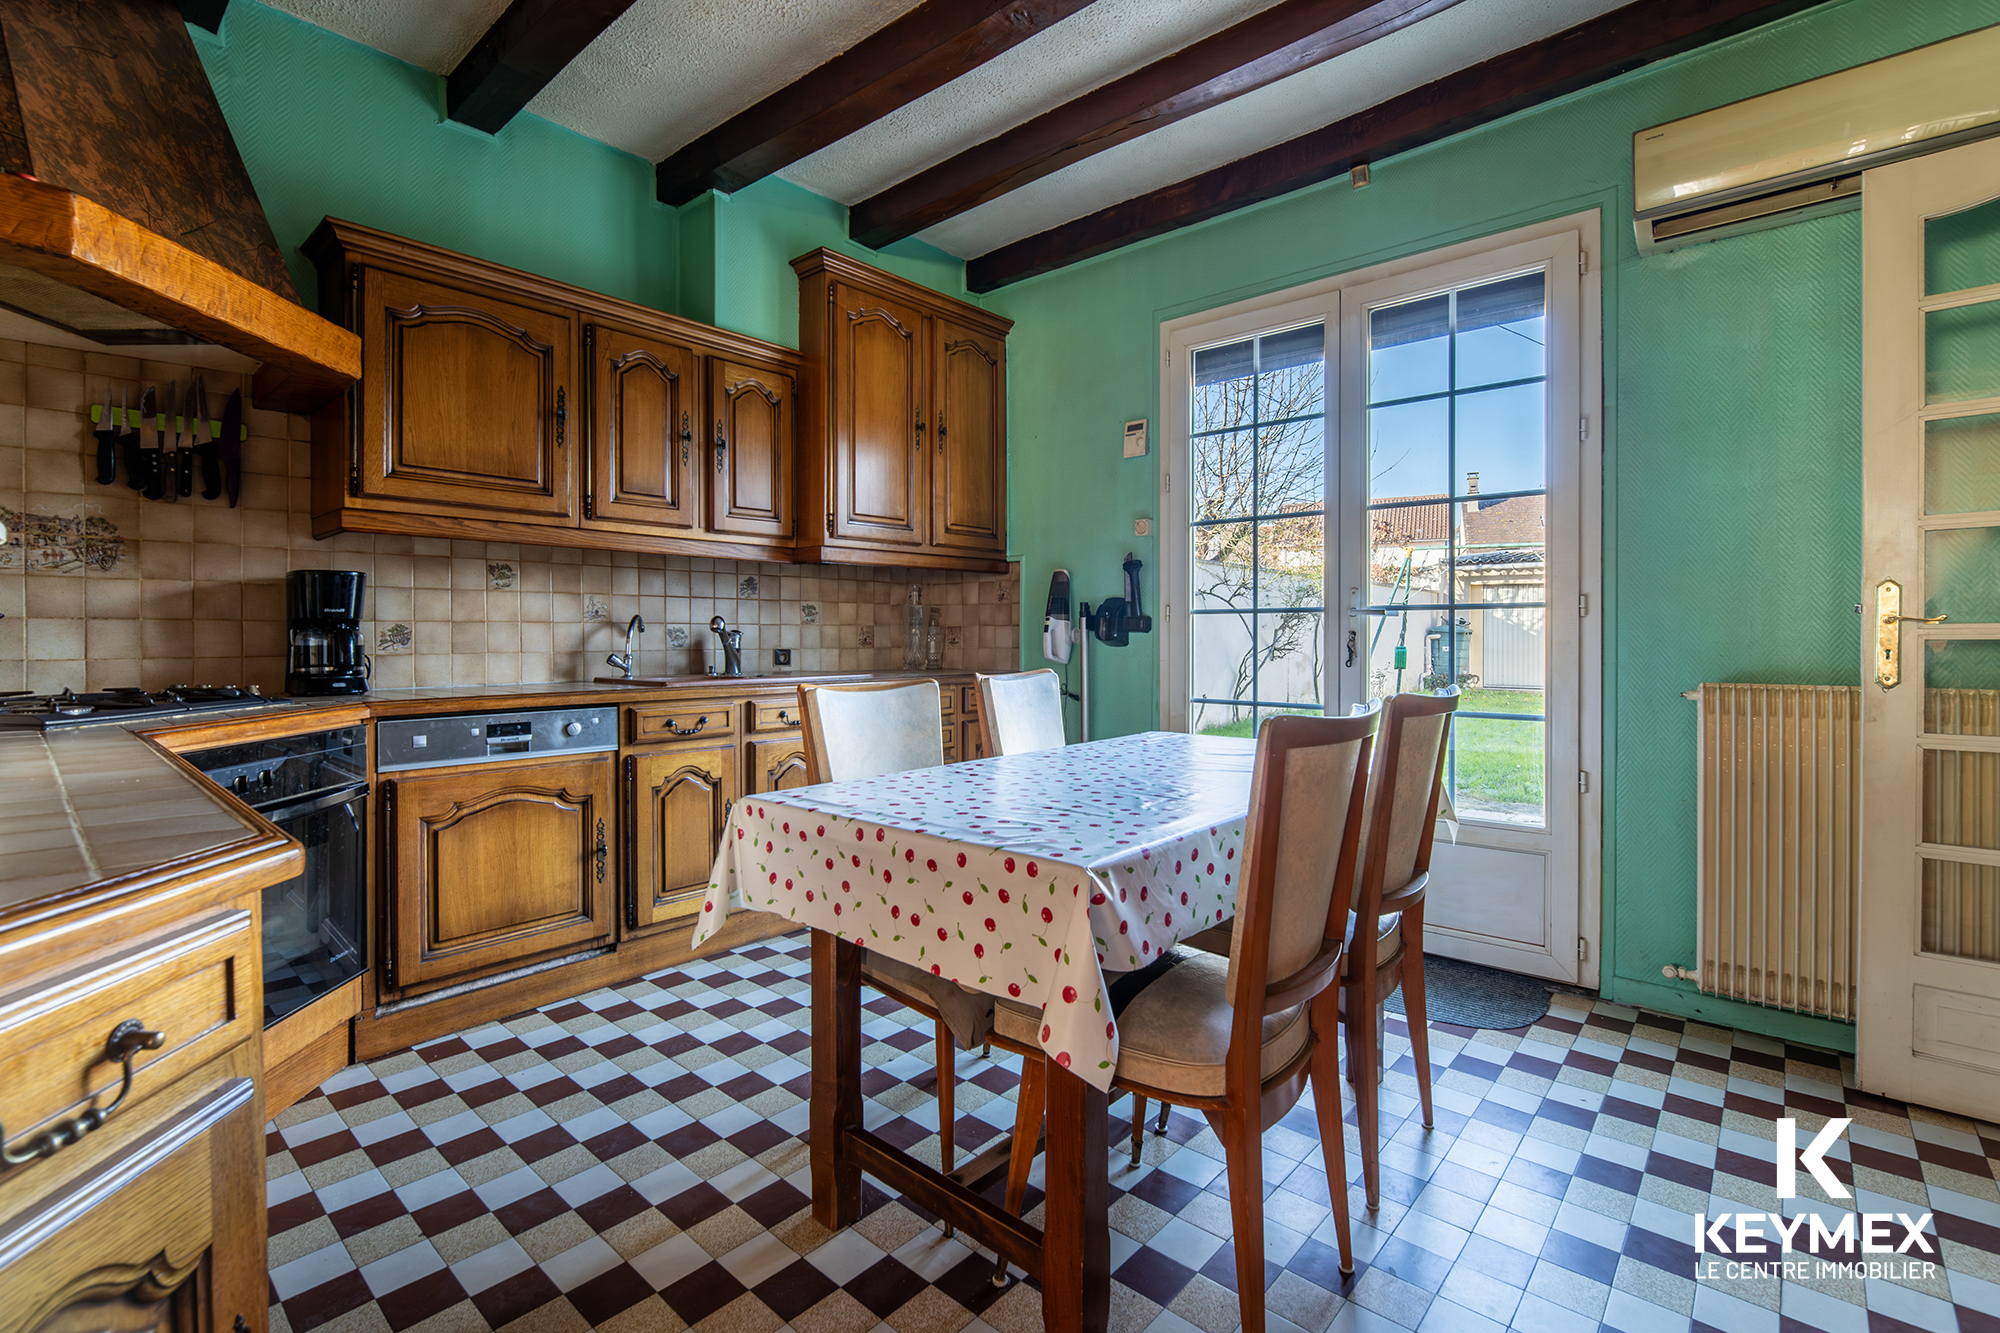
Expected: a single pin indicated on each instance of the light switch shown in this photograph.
(1142, 527)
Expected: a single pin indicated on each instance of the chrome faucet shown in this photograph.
(623, 661)
(732, 646)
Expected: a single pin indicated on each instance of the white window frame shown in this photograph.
(1575, 376)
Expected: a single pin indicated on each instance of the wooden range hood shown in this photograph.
(126, 215)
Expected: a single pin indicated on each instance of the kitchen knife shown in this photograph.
(232, 446)
(135, 440)
(209, 447)
(107, 448)
(157, 459)
(197, 403)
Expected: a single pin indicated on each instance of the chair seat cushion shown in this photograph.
(968, 1013)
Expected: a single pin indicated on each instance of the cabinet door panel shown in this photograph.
(678, 800)
(642, 417)
(497, 866)
(464, 400)
(969, 491)
(880, 480)
(778, 764)
(752, 468)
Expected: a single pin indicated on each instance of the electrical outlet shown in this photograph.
(781, 657)
(1142, 527)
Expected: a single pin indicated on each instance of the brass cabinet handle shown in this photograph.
(562, 417)
(603, 850)
(940, 434)
(687, 438)
(721, 447)
(694, 730)
(126, 1040)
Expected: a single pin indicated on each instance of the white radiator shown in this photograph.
(1779, 791)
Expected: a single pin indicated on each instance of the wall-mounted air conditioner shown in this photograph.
(1799, 152)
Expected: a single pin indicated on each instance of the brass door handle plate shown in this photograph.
(1889, 620)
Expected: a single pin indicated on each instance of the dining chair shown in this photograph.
(1241, 1038)
(1385, 933)
(1021, 711)
(863, 731)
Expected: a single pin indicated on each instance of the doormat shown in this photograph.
(1472, 996)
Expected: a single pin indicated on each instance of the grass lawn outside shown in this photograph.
(1497, 764)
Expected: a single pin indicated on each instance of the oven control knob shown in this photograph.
(572, 728)
(239, 784)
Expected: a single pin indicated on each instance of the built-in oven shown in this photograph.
(314, 787)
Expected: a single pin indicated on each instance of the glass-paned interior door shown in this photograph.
(1460, 466)
(1929, 1024)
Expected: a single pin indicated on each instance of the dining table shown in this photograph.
(1033, 877)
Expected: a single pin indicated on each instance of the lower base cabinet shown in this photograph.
(777, 765)
(496, 866)
(677, 800)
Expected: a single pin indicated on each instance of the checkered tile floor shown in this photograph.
(632, 1160)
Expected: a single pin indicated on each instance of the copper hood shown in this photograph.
(126, 215)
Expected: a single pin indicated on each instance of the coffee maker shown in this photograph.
(326, 654)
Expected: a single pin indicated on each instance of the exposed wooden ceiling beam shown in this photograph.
(527, 46)
(1289, 37)
(1588, 53)
(924, 49)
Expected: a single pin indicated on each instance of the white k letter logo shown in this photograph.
(1813, 1159)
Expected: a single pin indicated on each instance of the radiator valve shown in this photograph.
(1673, 973)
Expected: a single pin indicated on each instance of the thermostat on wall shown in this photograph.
(1135, 438)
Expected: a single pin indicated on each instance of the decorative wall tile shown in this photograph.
(499, 574)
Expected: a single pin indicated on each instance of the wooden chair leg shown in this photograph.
(1139, 1125)
(1161, 1128)
(1028, 1111)
(1243, 1146)
(947, 1096)
(1413, 1005)
(1363, 1057)
(1332, 1138)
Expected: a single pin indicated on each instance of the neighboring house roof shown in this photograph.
(1419, 520)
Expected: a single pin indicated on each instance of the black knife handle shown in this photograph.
(135, 461)
(156, 464)
(107, 458)
(184, 472)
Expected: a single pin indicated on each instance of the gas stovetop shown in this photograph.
(43, 711)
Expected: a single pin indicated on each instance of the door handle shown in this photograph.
(1889, 620)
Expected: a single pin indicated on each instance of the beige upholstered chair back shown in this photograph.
(1022, 712)
(861, 731)
(1304, 828)
(1407, 768)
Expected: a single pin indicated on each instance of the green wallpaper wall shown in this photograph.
(1732, 449)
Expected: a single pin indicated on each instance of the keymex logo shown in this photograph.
(1759, 1245)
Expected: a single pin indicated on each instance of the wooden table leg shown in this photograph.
(1076, 1235)
(836, 1080)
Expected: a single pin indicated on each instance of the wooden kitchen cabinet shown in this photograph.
(677, 798)
(645, 399)
(494, 866)
(777, 763)
(496, 405)
(902, 457)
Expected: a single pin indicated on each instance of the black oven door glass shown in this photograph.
(313, 940)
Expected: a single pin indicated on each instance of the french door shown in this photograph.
(1388, 482)
(1929, 1017)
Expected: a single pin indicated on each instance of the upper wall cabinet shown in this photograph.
(903, 454)
(502, 406)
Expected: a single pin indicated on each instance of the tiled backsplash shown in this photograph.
(101, 587)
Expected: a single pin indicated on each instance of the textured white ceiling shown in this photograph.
(1463, 35)
(668, 71)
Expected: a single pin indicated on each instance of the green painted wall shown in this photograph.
(1732, 503)
(327, 126)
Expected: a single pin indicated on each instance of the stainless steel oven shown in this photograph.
(315, 788)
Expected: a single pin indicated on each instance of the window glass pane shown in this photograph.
(1409, 349)
(1224, 404)
(1225, 475)
(1291, 467)
(1959, 582)
(1291, 380)
(1961, 910)
(1961, 803)
(1500, 326)
(1502, 438)
(1409, 449)
(1224, 557)
(1406, 554)
(1500, 656)
(1497, 769)
(1962, 465)
(1290, 668)
(1962, 686)
(1962, 353)
(1291, 561)
(1500, 552)
(1962, 249)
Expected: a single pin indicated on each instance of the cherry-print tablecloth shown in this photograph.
(1022, 875)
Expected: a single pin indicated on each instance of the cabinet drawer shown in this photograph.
(198, 986)
(781, 714)
(652, 723)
